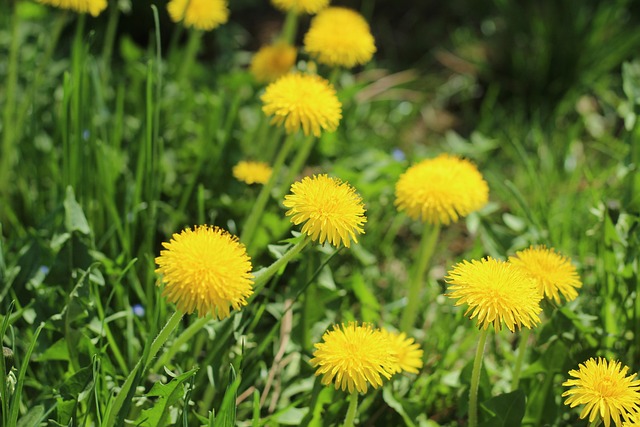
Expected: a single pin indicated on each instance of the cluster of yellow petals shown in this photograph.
(93, 7)
(354, 356)
(496, 292)
(606, 391)
(301, 6)
(205, 269)
(330, 209)
(252, 172)
(199, 14)
(441, 190)
(553, 273)
(407, 350)
(272, 61)
(302, 100)
(340, 37)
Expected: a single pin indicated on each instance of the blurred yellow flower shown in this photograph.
(302, 100)
(93, 7)
(340, 37)
(199, 14)
(354, 357)
(408, 351)
(605, 390)
(301, 6)
(252, 172)
(205, 269)
(496, 292)
(272, 61)
(330, 209)
(441, 190)
(553, 273)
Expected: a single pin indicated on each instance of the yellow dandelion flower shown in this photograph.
(408, 351)
(330, 209)
(272, 61)
(605, 390)
(441, 190)
(205, 269)
(302, 100)
(496, 292)
(340, 37)
(301, 6)
(93, 7)
(199, 14)
(553, 273)
(252, 172)
(354, 357)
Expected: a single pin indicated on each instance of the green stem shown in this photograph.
(193, 45)
(290, 27)
(258, 207)
(262, 276)
(299, 161)
(475, 379)
(183, 338)
(353, 408)
(427, 246)
(522, 347)
(109, 37)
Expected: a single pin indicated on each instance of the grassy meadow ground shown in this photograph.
(121, 130)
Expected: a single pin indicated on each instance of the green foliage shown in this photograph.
(110, 145)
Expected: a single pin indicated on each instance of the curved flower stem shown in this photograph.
(163, 335)
(191, 50)
(253, 219)
(522, 347)
(290, 27)
(304, 149)
(264, 275)
(185, 336)
(427, 245)
(475, 379)
(351, 412)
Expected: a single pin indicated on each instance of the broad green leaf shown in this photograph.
(507, 409)
(74, 219)
(168, 394)
(76, 383)
(390, 399)
(32, 418)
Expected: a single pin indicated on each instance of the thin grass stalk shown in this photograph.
(253, 220)
(475, 379)
(428, 242)
(522, 348)
(8, 140)
(109, 38)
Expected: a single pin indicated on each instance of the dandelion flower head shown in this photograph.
(330, 209)
(205, 269)
(93, 7)
(408, 351)
(553, 273)
(353, 357)
(605, 389)
(302, 100)
(441, 190)
(272, 61)
(496, 292)
(252, 172)
(340, 37)
(301, 6)
(199, 14)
